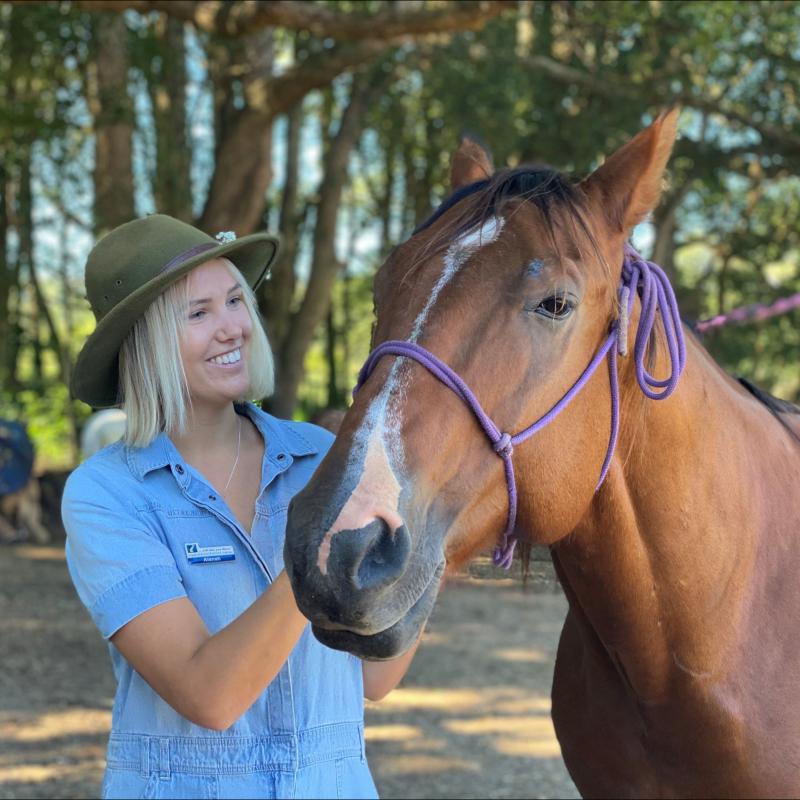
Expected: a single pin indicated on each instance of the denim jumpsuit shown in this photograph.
(143, 528)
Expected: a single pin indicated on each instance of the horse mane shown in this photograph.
(542, 186)
(775, 405)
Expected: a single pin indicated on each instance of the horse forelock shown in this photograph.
(563, 212)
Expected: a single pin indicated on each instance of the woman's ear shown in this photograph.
(629, 183)
(470, 163)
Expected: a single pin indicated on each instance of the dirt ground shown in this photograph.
(471, 719)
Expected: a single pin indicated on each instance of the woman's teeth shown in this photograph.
(228, 358)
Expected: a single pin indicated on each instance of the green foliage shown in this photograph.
(351, 349)
(567, 83)
(42, 50)
(42, 410)
(558, 83)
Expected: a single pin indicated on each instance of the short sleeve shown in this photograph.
(120, 569)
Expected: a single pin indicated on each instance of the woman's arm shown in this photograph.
(380, 677)
(213, 680)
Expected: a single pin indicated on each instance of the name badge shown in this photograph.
(208, 555)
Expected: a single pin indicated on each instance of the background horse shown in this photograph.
(670, 503)
(103, 428)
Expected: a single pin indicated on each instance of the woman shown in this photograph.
(175, 535)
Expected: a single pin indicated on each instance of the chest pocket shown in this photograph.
(219, 573)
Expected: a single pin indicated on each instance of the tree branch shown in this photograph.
(602, 86)
(242, 18)
(283, 92)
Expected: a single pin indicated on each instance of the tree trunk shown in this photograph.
(330, 356)
(26, 249)
(12, 342)
(25, 256)
(69, 323)
(409, 190)
(243, 127)
(6, 275)
(277, 293)
(385, 199)
(324, 265)
(110, 104)
(166, 83)
(665, 224)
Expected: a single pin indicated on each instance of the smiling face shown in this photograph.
(216, 336)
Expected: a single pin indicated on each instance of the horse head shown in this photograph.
(489, 315)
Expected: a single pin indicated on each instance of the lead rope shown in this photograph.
(656, 294)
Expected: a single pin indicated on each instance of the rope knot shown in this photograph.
(503, 446)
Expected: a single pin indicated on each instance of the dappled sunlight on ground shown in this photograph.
(56, 684)
(69, 722)
(392, 733)
(472, 717)
(529, 746)
(526, 655)
(52, 754)
(411, 699)
(529, 736)
(39, 773)
(50, 553)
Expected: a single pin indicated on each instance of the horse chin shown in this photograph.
(392, 641)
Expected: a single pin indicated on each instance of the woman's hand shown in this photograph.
(380, 677)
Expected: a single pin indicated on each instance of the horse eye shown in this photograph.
(558, 306)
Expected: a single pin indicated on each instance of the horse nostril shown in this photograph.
(385, 558)
(373, 557)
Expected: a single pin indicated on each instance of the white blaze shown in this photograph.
(456, 256)
(378, 491)
(376, 495)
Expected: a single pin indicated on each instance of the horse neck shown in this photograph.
(667, 547)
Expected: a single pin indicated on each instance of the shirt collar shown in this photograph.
(278, 434)
(159, 453)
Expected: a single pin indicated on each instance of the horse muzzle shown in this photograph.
(392, 641)
(368, 593)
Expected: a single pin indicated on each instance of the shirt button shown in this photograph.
(281, 456)
(212, 497)
(179, 469)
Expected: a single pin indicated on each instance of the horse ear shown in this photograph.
(628, 185)
(471, 162)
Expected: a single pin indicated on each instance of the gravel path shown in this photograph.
(471, 718)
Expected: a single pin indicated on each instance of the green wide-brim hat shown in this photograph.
(133, 264)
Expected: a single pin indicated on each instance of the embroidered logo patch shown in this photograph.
(208, 555)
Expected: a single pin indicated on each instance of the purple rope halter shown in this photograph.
(751, 313)
(656, 295)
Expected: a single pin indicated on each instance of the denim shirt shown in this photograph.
(144, 527)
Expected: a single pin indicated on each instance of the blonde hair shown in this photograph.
(153, 390)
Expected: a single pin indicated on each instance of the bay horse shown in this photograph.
(670, 504)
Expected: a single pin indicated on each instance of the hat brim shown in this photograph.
(95, 378)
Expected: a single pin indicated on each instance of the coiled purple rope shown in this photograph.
(638, 275)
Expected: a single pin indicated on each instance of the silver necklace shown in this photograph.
(238, 445)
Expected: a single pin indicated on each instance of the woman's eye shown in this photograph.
(235, 301)
(558, 306)
(196, 314)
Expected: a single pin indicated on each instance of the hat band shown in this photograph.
(186, 255)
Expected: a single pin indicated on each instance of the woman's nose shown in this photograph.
(229, 329)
